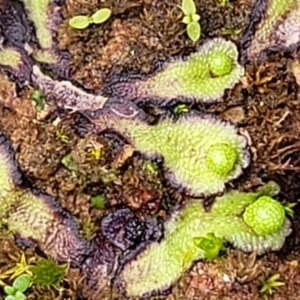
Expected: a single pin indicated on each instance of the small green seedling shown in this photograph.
(181, 109)
(70, 164)
(82, 22)
(270, 285)
(210, 245)
(37, 97)
(16, 291)
(225, 3)
(191, 19)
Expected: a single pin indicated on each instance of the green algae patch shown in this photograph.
(162, 263)
(276, 27)
(200, 152)
(203, 76)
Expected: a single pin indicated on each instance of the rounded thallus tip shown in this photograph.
(265, 216)
(220, 64)
(221, 158)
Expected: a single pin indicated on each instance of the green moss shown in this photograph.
(162, 263)
(192, 77)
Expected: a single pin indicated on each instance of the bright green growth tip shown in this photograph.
(265, 216)
(221, 158)
(211, 245)
(220, 64)
(191, 19)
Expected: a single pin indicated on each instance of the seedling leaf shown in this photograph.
(193, 31)
(188, 7)
(101, 15)
(79, 22)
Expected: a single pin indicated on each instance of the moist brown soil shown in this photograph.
(140, 34)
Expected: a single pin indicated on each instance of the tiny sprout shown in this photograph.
(20, 285)
(191, 19)
(20, 268)
(225, 3)
(69, 163)
(96, 151)
(61, 136)
(37, 97)
(79, 22)
(150, 167)
(82, 22)
(88, 228)
(265, 215)
(270, 285)
(220, 64)
(181, 108)
(288, 207)
(210, 245)
(98, 202)
(193, 30)
(221, 158)
(101, 16)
